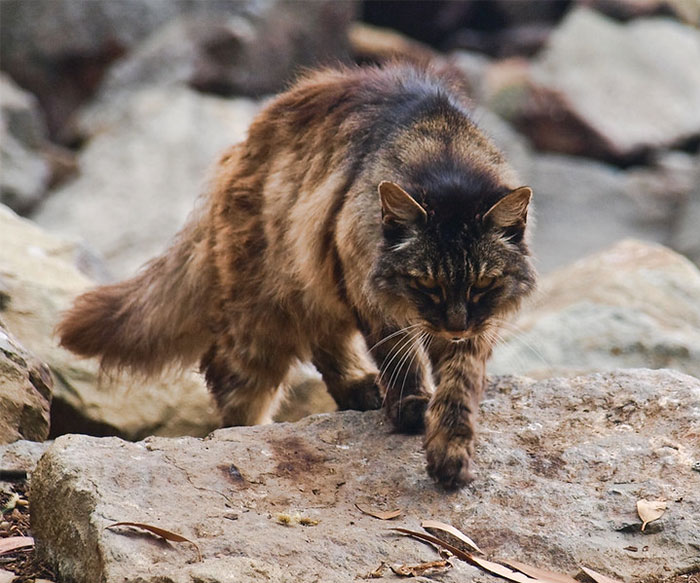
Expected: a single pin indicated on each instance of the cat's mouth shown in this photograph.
(454, 335)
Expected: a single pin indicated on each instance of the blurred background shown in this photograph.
(113, 112)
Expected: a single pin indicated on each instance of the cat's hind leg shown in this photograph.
(246, 391)
(348, 371)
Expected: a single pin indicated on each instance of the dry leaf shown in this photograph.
(431, 568)
(378, 573)
(598, 577)
(538, 573)
(650, 510)
(380, 514)
(161, 532)
(505, 572)
(7, 545)
(458, 534)
(489, 566)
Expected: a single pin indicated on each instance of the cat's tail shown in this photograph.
(152, 320)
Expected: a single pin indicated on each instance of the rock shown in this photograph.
(237, 52)
(561, 464)
(584, 206)
(25, 171)
(25, 392)
(636, 88)
(686, 235)
(19, 458)
(633, 305)
(41, 276)
(142, 171)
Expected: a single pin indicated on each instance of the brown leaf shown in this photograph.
(538, 573)
(506, 573)
(458, 534)
(380, 514)
(378, 573)
(489, 566)
(650, 510)
(7, 545)
(431, 568)
(598, 577)
(161, 532)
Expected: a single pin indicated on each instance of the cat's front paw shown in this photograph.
(408, 414)
(448, 461)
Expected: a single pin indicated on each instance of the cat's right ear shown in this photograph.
(399, 207)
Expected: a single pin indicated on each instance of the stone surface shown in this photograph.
(583, 206)
(25, 392)
(633, 305)
(21, 456)
(25, 170)
(142, 170)
(635, 88)
(560, 466)
(40, 275)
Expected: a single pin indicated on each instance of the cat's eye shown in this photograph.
(483, 283)
(426, 285)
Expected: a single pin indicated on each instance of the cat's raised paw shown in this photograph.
(408, 414)
(449, 464)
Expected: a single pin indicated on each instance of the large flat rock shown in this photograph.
(560, 463)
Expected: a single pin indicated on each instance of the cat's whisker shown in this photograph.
(392, 335)
(417, 347)
(394, 353)
(404, 350)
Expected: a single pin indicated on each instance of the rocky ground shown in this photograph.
(107, 136)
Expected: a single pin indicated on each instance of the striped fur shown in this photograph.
(298, 256)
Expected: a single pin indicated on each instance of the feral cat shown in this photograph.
(365, 225)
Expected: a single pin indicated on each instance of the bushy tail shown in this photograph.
(153, 320)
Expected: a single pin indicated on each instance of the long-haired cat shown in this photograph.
(365, 225)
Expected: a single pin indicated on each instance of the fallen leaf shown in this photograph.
(380, 514)
(650, 510)
(7, 545)
(431, 568)
(598, 577)
(489, 566)
(458, 534)
(507, 573)
(538, 573)
(378, 573)
(161, 532)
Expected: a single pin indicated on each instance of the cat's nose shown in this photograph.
(456, 320)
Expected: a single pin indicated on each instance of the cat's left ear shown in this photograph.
(511, 210)
(398, 206)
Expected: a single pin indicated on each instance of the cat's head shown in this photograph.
(451, 262)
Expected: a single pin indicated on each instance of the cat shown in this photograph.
(366, 224)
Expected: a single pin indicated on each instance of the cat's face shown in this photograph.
(453, 275)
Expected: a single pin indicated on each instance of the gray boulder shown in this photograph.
(583, 206)
(25, 392)
(142, 170)
(635, 304)
(561, 465)
(25, 170)
(41, 275)
(606, 89)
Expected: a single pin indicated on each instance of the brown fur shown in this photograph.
(290, 261)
